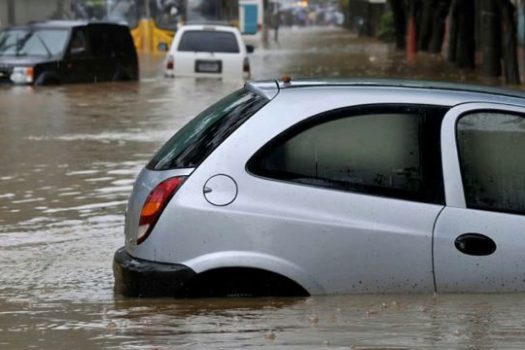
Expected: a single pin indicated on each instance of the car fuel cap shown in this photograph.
(220, 190)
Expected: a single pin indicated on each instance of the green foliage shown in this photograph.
(386, 27)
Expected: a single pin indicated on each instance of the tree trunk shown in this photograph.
(466, 45)
(438, 26)
(416, 11)
(490, 37)
(509, 42)
(453, 32)
(411, 49)
(426, 24)
(398, 11)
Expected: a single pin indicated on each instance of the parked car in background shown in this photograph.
(56, 52)
(208, 51)
(319, 187)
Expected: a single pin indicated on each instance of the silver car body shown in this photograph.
(325, 240)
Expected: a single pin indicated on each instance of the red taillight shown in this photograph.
(155, 204)
(259, 27)
(170, 63)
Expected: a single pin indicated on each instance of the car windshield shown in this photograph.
(33, 42)
(195, 141)
(208, 41)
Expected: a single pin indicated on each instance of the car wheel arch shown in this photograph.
(256, 261)
(242, 282)
(47, 78)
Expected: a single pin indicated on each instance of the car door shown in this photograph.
(103, 50)
(479, 238)
(351, 197)
(79, 67)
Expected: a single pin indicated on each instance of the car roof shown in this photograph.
(475, 92)
(209, 26)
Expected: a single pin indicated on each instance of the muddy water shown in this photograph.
(68, 159)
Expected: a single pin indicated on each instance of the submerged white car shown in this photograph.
(208, 51)
(318, 187)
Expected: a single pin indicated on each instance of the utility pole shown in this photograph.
(147, 10)
(60, 9)
(266, 22)
(11, 12)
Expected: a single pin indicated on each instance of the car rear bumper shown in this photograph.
(141, 278)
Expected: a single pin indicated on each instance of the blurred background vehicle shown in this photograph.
(153, 23)
(55, 52)
(208, 51)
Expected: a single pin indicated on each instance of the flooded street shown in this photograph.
(69, 156)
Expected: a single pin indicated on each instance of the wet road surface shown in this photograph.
(68, 158)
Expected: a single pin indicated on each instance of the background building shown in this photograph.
(19, 12)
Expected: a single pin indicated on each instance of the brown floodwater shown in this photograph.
(68, 159)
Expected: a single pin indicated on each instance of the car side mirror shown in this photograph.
(250, 48)
(163, 47)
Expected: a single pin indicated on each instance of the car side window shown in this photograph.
(110, 42)
(391, 152)
(492, 161)
(79, 46)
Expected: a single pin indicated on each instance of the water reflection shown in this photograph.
(69, 158)
(357, 322)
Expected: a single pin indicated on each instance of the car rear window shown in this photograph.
(201, 136)
(208, 41)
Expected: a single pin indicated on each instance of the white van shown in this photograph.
(208, 51)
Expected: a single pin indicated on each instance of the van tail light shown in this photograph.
(170, 63)
(259, 27)
(157, 200)
(30, 73)
(246, 65)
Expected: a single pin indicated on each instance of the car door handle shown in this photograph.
(475, 244)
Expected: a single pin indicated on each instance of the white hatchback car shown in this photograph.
(208, 51)
(320, 187)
